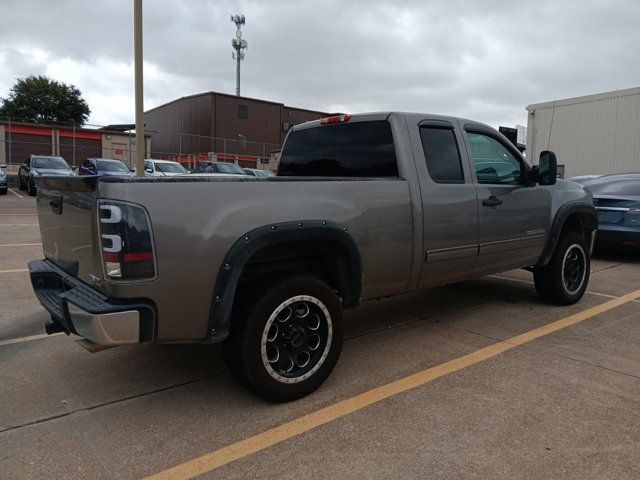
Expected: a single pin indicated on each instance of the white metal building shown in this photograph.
(596, 134)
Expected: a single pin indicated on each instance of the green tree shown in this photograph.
(43, 99)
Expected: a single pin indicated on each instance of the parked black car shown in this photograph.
(4, 184)
(617, 200)
(35, 165)
(104, 166)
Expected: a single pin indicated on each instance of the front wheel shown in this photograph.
(285, 341)
(564, 280)
(32, 190)
(21, 185)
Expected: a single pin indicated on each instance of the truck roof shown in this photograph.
(384, 115)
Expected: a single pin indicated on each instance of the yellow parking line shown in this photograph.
(17, 270)
(230, 453)
(11, 341)
(21, 245)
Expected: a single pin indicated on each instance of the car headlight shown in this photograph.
(35, 172)
(632, 216)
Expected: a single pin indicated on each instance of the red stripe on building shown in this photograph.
(89, 135)
(29, 130)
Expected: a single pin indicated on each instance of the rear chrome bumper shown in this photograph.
(117, 328)
(77, 308)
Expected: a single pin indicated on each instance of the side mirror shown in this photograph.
(547, 169)
(4, 165)
(148, 170)
(74, 168)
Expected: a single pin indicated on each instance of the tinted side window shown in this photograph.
(442, 154)
(494, 163)
(361, 149)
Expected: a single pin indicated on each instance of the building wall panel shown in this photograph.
(597, 134)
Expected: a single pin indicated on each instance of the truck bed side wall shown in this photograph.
(196, 223)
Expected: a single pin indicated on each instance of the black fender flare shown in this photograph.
(251, 242)
(558, 223)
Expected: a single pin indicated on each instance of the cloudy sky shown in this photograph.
(484, 60)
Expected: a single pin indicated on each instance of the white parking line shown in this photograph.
(15, 193)
(18, 225)
(11, 341)
(17, 270)
(589, 292)
(21, 245)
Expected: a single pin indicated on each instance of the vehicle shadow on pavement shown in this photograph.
(619, 256)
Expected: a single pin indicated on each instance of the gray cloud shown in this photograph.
(484, 60)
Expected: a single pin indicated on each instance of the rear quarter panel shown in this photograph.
(195, 223)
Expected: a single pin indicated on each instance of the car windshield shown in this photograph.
(170, 168)
(228, 168)
(112, 166)
(54, 163)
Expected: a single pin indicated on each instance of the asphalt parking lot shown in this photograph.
(475, 380)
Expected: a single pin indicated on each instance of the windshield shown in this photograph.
(112, 166)
(228, 168)
(170, 168)
(54, 163)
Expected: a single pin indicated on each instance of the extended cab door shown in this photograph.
(514, 216)
(449, 202)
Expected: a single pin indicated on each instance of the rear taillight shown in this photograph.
(335, 119)
(125, 241)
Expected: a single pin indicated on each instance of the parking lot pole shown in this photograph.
(10, 159)
(74, 143)
(137, 34)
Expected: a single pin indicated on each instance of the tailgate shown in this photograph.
(68, 226)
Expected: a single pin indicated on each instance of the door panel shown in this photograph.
(513, 217)
(449, 204)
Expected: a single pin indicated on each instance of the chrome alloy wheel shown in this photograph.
(574, 268)
(296, 339)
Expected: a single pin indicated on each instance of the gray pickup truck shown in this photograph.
(363, 207)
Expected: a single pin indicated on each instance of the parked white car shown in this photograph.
(163, 168)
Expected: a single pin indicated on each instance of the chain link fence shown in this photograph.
(20, 138)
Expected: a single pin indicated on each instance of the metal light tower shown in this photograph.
(239, 45)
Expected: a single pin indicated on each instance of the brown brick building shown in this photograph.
(234, 128)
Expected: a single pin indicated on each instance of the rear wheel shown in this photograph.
(285, 341)
(564, 280)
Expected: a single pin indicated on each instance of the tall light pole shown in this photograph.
(137, 46)
(239, 45)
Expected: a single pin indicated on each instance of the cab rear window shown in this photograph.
(360, 149)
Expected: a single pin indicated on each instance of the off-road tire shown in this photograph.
(246, 346)
(553, 281)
